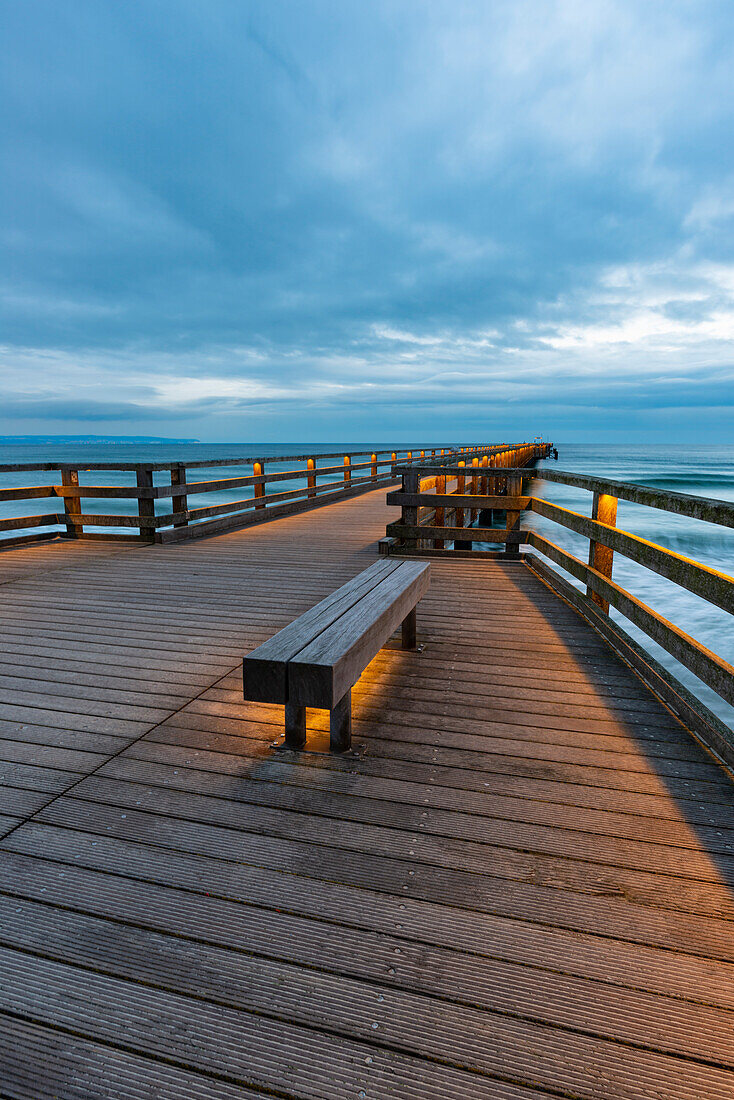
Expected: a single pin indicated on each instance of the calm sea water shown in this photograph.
(701, 471)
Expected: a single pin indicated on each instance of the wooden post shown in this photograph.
(340, 724)
(374, 467)
(601, 558)
(460, 514)
(295, 726)
(514, 489)
(311, 478)
(411, 485)
(347, 471)
(409, 633)
(474, 488)
(460, 489)
(259, 489)
(439, 520)
(179, 503)
(146, 505)
(72, 505)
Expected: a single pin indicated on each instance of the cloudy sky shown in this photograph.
(334, 220)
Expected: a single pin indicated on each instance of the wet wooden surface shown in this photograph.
(520, 885)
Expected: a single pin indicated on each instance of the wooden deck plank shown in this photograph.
(121, 949)
(432, 810)
(294, 876)
(663, 877)
(41, 1063)
(613, 841)
(289, 1004)
(465, 770)
(242, 1048)
(371, 943)
(524, 876)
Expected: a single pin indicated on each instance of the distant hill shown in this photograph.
(35, 439)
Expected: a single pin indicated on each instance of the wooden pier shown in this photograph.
(520, 885)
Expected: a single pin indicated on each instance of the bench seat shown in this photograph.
(316, 660)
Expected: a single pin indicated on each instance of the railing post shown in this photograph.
(347, 471)
(179, 503)
(373, 470)
(460, 488)
(146, 504)
(512, 527)
(474, 488)
(440, 515)
(259, 489)
(72, 505)
(411, 486)
(601, 558)
(311, 479)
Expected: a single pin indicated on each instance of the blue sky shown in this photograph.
(332, 221)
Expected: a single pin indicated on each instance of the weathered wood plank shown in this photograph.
(321, 672)
(265, 668)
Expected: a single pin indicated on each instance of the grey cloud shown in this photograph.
(184, 182)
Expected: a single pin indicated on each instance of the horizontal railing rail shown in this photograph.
(481, 497)
(355, 472)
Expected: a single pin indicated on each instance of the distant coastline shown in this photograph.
(32, 440)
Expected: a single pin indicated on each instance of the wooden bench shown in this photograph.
(316, 660)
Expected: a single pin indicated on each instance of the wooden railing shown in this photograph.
(441, 502)
(170, 483)
(423, 530)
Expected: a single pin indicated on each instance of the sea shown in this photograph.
(701, 470)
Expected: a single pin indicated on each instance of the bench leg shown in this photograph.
(340, 725)
(409, 630)
(295, 726)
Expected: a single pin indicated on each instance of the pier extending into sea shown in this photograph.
(517, 884)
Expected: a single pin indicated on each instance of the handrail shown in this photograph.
(605, 539)
(344, 478)
(683, 504)
(240, 460)
(717, 673)
(710, 584)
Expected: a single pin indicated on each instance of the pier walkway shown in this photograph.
(520, 886)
